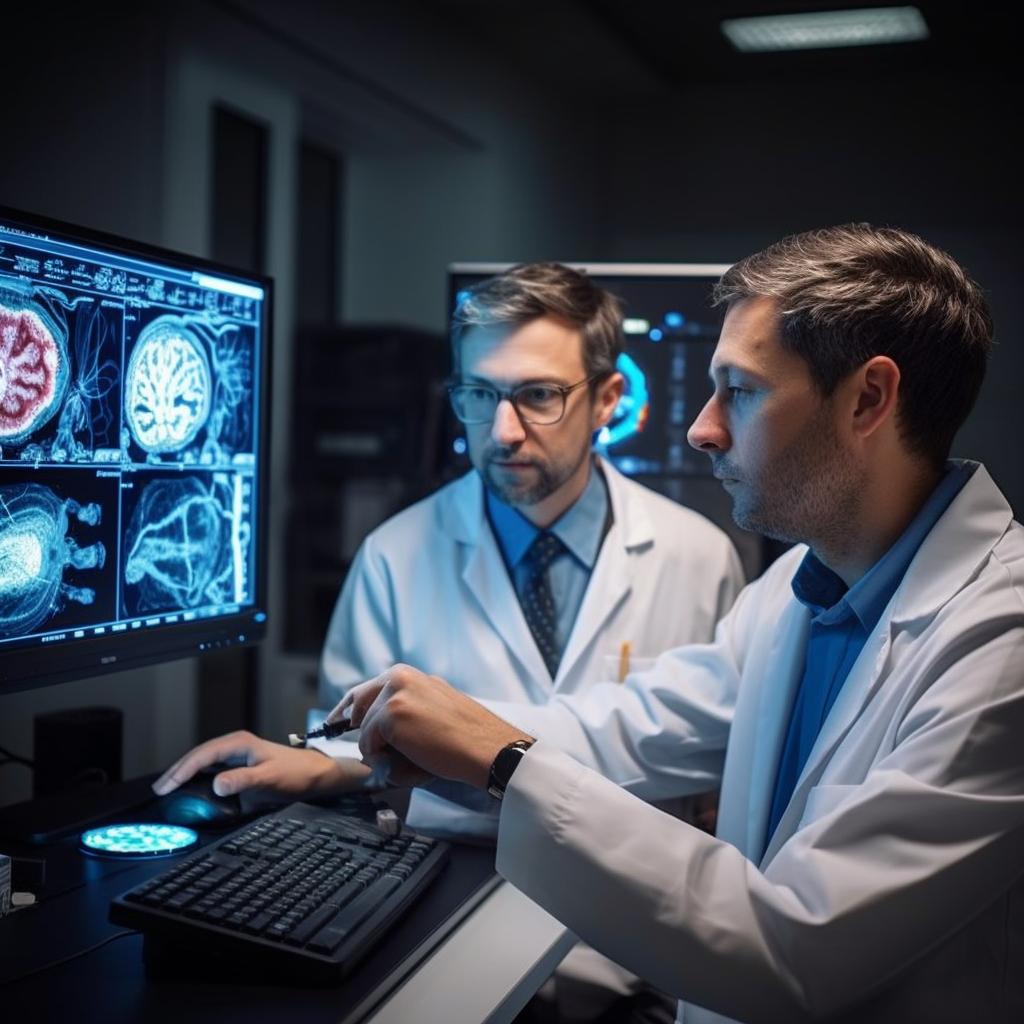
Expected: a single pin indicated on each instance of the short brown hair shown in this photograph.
(532, 290)
(851, 292)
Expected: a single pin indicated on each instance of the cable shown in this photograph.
(11, 756)
(73, 956)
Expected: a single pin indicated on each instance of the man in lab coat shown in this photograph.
(452, 582)
(868, 690)
(447, 583)
(869, 852)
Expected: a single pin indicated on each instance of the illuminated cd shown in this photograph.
(138, 840)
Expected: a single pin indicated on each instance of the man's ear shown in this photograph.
(609, 391)
(877, 386)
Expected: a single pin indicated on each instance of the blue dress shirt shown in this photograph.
(842, 622)
(581, 528)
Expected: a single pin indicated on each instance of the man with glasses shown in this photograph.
(541, 572)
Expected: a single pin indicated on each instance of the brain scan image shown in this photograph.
(33, 367)
(188, 391)
(36, 549)
(88, 418)
(168, 386)
(186, 544)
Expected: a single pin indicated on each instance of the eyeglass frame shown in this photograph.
(508, 394)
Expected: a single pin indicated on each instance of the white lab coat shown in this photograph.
(891, 890)
(429, 588)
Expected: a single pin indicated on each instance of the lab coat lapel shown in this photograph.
(959, 542)
(860, 685)
(612, 577)
(774, 705)
(610, 584)
(487, 581)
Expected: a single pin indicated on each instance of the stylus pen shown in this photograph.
(328, 731)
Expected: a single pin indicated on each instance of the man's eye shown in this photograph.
(538, 394)
(478, 394)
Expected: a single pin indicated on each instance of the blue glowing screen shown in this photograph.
(138, 840)
(129, 407)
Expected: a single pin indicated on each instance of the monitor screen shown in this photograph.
(671, 330)
(133, 443)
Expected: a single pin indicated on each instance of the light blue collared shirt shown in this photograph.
(581, 528)
(841, 624)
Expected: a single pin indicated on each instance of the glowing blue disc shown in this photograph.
(138, 840)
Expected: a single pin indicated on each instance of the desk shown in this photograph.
(508, 946)
(485, 968)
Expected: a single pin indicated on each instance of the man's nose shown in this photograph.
(709, 433)
(507, 427)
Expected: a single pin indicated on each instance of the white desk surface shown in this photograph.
(486, 970)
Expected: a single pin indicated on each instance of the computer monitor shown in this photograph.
(671, 329)
(133, 453)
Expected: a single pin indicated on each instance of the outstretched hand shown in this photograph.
(434, 729)
(265, 766)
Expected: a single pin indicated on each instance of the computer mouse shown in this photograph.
(195, 804)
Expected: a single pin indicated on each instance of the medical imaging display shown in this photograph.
(47, 544)
(185, 542)
(129, 408)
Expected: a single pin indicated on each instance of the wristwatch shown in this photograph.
(504, 765)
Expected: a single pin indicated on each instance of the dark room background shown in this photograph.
(354, 150)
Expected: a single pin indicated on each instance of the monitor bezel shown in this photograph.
(25, 668)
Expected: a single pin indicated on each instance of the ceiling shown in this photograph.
(630, 48)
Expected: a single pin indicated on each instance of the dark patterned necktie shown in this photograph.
(538, 602)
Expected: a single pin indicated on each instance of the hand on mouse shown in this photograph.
(266, 766)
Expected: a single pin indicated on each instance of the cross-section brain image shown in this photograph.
(185, 545)
(168, 386)
(33, 370)
(35, 552)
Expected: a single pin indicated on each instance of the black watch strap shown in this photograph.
(504, 765)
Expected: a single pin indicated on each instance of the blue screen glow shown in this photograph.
(138, 840)
(129, 447)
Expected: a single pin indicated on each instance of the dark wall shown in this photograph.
(721, 170)
(83, 119)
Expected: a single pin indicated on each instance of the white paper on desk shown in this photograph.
(337, 747)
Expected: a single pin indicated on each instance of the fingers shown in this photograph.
(355, 704)
(401, 772)
(221, 748)
(342, 711)
(237, 780)
(375, 727)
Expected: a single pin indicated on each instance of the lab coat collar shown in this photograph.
(949, 557)
(955, 549)
(462, 510)
(463, 517)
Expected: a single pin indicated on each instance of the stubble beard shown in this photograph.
(547, 477)
(812, 494)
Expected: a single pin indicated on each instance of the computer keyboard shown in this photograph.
(306, 891)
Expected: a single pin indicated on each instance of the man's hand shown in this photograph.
(436, 730)
(267, 767)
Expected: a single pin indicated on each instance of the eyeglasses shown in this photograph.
(539, 403)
